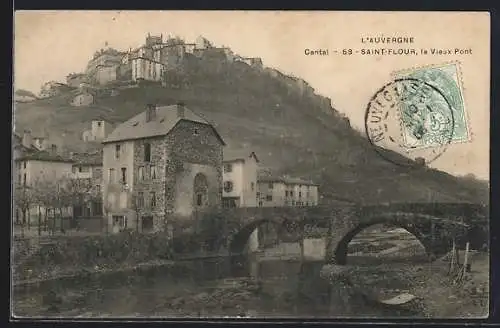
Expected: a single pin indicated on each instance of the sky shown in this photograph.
(50, 45)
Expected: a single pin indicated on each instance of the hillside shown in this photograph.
(297, 134)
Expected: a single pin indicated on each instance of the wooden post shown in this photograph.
(39, 221)
(466, 257)
(453, 258)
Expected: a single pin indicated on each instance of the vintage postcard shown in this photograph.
(250, 164)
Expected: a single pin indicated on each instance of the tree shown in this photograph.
(24, 198)
(79, 191)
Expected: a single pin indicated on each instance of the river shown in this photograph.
(252, 286)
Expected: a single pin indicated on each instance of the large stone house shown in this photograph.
(162, 163)
(240, 179)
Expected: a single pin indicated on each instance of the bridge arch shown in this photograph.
(419, 225)
(240, 239)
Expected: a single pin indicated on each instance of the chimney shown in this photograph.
(150, 112)
(27, 140)
(53, 149)
(180, 110)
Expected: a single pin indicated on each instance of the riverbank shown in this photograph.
(437, 293)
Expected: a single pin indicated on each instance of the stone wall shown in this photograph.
(193, 148)
(146, 185)
(190, 148)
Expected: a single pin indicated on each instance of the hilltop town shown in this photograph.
(119, 178)
(269, 148)
(157, 60)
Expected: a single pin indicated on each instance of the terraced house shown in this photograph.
(163, 163)
(286, 191)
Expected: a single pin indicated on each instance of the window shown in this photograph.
(252, 186)
(260, 204)
(99, 124)
(153, 172)
(119, 221)
(140, 199)
(199, 200)
(228, 186)
(258, 194)
(83, 169)
(111, 175)
(24, 179)
(153, 199)
(196, 132)
(147, 152)
(228, 168)
(291, 193)
(286, 193)
(293, 203)
(269, 198)
(117, 151)
(228, 203)
(98, 188)
(24, 164)
(271, 185)
(147, 223)
(140, 173)
(124, 175)
(300, 194)
(307, 203)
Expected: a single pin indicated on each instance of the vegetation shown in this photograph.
(52, 199)
(294, 133)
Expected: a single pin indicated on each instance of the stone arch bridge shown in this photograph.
(434, 225)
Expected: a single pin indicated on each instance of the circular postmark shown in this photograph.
(409, 122)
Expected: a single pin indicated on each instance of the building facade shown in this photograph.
(75, 79)
(99, 130)
(106, 74)
(82, 99)
(164, 162)
(286, 191)
(88, 167)
(240, 179)
(35, 170)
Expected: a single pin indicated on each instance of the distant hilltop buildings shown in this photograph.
(153, 61)
(150, 61)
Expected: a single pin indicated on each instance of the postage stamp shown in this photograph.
(447, 79)
(408, 115)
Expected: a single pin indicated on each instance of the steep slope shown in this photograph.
(294, 133)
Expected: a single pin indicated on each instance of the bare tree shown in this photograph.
(24, 197)
(79, 193)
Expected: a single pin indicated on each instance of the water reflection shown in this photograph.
(256, 285)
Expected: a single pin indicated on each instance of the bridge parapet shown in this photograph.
(433, 224)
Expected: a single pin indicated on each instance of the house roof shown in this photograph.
(17, 141)
(44, 156)
(286, 180)
(166, 119)
(91, 159)
(231, 155)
